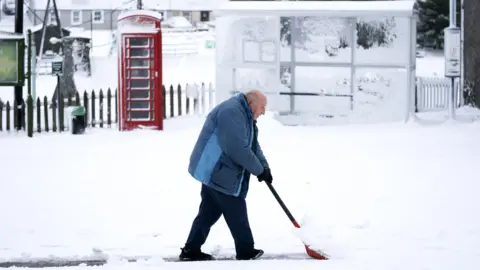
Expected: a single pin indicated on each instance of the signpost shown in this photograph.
(57, 70)
(452, 51)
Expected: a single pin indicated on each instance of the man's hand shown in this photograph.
(265, 176)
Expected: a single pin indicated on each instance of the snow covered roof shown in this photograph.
(78, 4)
(10, 35)
(39, 26)
(127, 4)
(129, 13)
(318, 8)
(187, 5)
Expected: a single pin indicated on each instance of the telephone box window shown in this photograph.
(139, 94)
(139, 42)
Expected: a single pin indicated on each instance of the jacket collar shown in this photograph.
(243, 101)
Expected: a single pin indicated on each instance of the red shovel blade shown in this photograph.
(312, 253)
(315, 254)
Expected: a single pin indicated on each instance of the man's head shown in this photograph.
(257, 102)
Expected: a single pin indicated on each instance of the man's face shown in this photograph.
(258, 107)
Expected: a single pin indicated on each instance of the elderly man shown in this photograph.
(225, 155)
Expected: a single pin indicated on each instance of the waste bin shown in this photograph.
(78, 123)
(210, 44)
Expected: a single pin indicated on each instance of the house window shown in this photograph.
(204, 16)
(98, 16)
(76, 17)
(52, 19)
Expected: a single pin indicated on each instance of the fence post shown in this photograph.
(109, 107)
(172, 113)
(54, 115)
(7, 110)
(100, 97)
(22, 110)
(45, 108)
(15, 113)
(187, 99)
(30, 116)
(179, 97)
(93, 108)
(85, 104)
(61, 115)
(39, 116)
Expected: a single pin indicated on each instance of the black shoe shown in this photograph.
(252, 255)
(194, 255)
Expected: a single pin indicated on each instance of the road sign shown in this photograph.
(57, 68)
(452, 52)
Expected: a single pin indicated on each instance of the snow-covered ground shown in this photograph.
(396, 196)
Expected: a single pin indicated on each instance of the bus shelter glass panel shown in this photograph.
(318, 39)
(382, 40)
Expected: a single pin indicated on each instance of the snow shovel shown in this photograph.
(314, 254)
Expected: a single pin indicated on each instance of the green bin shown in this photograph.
(78, 123)
(210, 44)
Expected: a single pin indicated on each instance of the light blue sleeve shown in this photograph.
(233, 139)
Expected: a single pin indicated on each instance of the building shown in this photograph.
(103, 14)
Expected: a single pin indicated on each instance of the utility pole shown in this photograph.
(18, 94)
(139, 4)
(471, 9)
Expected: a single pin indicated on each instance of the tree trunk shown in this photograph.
(67, 82)
(472, 51)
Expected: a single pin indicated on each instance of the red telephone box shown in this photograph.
(140, 97)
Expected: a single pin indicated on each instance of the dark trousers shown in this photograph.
(234, 210)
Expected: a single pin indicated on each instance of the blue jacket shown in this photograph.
(223, 158)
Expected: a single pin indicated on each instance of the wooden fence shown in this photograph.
(101, 108)
(433, 94)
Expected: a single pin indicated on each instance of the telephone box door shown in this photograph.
(141, 82)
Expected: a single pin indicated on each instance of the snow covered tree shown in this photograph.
(67, 82)
(433, 19)
(371, 33)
